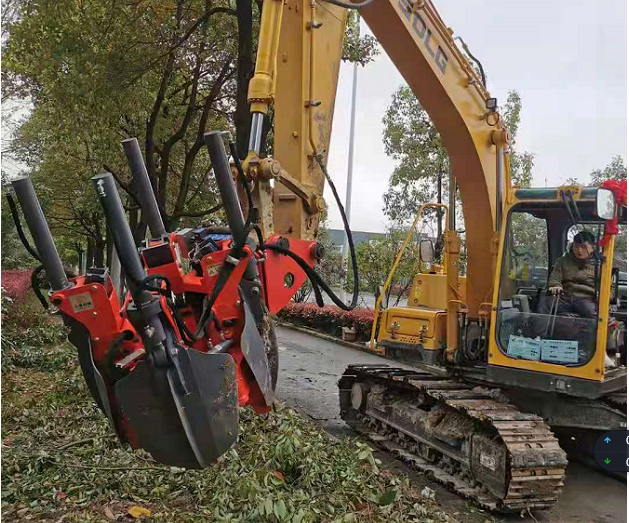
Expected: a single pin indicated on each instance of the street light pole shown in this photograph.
(350, 168)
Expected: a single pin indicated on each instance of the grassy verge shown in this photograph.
(61, 461)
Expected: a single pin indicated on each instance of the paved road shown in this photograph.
(309, 370)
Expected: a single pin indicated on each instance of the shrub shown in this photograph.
(329, 319)
(15, 284)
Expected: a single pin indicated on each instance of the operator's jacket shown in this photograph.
(576, 277)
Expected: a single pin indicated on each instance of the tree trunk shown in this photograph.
(90, 253)
(245, 69)
(99, 253)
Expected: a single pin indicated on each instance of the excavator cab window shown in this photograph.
(530, 323)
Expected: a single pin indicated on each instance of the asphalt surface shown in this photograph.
(309, 370)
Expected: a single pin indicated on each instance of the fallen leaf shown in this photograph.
(138, 512)
(388, 497)
(278, 474)
(109, 514)
(428, 493)
(61, 495)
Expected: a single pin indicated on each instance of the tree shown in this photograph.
(411, 139)
(97, 72)
(422, 172)
(103, 71)
(521, 163)
(356, 48)
(375, 259)
(614, 170)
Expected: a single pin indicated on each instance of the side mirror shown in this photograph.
(605, 204)
(426, 251)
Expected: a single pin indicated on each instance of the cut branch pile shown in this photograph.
(62, 462)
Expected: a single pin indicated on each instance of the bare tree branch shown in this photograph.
(197, 214)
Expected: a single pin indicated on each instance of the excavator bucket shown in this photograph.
(189, 429)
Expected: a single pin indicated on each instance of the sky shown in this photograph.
(566, 58)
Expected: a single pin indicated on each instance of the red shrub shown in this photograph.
(16, 283)
(329, 319)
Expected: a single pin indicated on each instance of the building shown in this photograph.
(337, 237)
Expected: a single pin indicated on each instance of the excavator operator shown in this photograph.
(573, 279)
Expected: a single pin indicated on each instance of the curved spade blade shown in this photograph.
(253, 348)
(184, 430)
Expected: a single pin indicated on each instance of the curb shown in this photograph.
(327, 337)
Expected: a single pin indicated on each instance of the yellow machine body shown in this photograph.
(431, 290)
(413, 326)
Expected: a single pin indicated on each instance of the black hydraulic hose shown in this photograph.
(20, 231)
(314, 278)
(349, 5)
(35, 286)
(348, 232)
(476, 61)
(40, 268)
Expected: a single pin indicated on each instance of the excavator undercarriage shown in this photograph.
(482, 448)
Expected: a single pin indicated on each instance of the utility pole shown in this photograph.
(350, 168)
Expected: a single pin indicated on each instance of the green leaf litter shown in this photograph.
(61, 461)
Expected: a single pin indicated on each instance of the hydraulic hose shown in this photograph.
(349, 5)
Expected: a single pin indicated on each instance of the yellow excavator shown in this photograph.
(171, 350)
(494, 374)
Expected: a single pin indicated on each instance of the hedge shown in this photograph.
(16, 284)
(329, 319)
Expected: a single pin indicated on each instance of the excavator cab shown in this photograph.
(564, 334)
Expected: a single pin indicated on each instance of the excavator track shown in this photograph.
(463, 437)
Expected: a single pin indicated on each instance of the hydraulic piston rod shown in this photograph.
(146, 194)
(130, 260)
(40, 232)
(225, 182)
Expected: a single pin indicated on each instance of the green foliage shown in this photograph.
(614, 170)
(413, 141)
(528, 243)
(356, 48)
(375, 259)
(61, 461)
(14, 255)
(28, 333)
(521, 163)
(329, 319)
(99, 72)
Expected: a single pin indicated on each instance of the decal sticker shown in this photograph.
(560, 351)
(81, 302)
(213, 270)
(524, 348)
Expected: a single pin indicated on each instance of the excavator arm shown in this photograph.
(297, 71)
